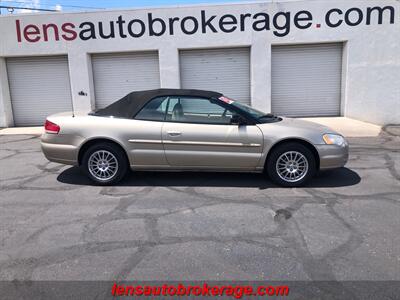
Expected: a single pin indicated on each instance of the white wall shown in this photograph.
(6, 116)
(371, 81)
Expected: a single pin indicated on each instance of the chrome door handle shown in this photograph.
(174, 133)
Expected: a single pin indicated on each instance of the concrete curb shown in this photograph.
(22, 130)
(348, 127)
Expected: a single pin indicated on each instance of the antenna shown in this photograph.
(73, 110)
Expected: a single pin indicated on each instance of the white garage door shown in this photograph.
(39, 87)
(306, 80)
(116, 75)
(222, 70)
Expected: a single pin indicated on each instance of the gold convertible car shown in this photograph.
(174, 129)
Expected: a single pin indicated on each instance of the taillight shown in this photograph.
(50, 127)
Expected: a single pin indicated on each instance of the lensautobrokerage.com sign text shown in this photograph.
(280, 24)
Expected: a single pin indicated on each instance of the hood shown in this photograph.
(295, 128)
(297, 123)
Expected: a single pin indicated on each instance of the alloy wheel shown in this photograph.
(103, 165)
(292, 166)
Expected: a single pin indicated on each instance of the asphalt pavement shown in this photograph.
(344, 225)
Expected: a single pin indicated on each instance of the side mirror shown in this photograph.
(238, 120)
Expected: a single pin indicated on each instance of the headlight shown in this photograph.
(334, 139)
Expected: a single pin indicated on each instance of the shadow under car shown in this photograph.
(325, 179)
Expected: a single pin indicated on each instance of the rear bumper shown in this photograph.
(60, 148)
(332, 157)
(64, 154)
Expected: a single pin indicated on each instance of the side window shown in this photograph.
(153, 110)
(197, 110)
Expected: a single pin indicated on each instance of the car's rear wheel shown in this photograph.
(105, 163)
(291, 164)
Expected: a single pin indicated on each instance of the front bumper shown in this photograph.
(332, 156)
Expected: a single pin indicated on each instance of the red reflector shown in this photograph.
(51, 127)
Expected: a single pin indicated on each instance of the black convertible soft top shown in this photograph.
(131, 104)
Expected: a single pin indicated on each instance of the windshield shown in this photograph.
(259, 115)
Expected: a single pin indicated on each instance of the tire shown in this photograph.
(107, 160)
(291, 165)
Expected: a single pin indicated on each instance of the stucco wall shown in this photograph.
(371, 66)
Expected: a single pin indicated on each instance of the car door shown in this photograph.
(198, 132)
(144, 135)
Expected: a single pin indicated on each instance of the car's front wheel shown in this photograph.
(105, 163)
(291, 164)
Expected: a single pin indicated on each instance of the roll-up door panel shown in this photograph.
(39, 87)
(306, 80)
(117, 74)
(221, 70)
